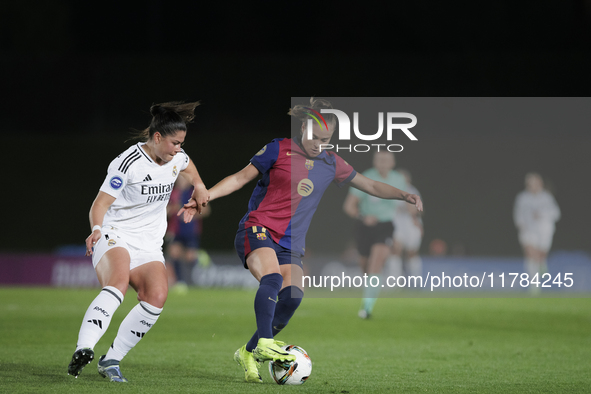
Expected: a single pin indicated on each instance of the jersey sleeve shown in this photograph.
(344, 172)
(552, 211)
(519, 215)
(117, 176)
(266, 157)
(186, 160)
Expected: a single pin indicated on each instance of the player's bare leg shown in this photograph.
(113, 275)
(377, 258)
(150, 281)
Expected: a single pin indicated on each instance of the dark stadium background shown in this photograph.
(76, 78)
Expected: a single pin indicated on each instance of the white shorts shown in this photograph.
(539, 238)
(110, 239)
(407, 233)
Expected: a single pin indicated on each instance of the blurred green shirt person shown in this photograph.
(374, 229)
(369, 205)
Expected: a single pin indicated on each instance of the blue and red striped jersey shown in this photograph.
(286, 197)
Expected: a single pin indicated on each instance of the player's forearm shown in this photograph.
(233, 182)
(192, 175)
(99, 208)
(388, 192)
(226, 186)
(377, 189)
(97, 213)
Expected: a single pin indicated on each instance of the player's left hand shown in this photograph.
(199, 199)
(200, 196)
(188, 211)
(416, 200)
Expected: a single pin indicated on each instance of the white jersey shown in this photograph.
(535, 210)
(142, 189)
(406, 232)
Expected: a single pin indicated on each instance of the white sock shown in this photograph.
(415, 266)
(393, 266)
(543, 267)
(98, 317)
(370, 293)
(531, 267)
(133, 328)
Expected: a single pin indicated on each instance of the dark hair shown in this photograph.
(302, 112)
(167, 119)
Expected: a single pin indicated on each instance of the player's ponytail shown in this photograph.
(167, 119)
(303, 113)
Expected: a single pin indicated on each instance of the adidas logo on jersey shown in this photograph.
(147, 178)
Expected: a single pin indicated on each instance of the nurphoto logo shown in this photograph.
(345, 130)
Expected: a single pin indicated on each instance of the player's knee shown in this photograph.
(121, 284)
(156, 297)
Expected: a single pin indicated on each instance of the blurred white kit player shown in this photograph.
(408, 234)
(535, 214)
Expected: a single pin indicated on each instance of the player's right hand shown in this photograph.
(416, 200)
(91, 241)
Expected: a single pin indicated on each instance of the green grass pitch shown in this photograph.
(411, 345)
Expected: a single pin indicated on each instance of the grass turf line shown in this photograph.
(410, 345)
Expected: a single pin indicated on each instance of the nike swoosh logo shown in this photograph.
(282, 353)
(288, 153)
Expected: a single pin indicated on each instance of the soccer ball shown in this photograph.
(297, 372)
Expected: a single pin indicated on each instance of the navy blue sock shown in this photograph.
(265, 302)
(253, 342)
(289, 300)
(176, 264)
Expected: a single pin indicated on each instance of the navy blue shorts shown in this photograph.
(190, 241)
(256, 237)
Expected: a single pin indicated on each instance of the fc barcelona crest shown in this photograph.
(309, 164)
(261, 236)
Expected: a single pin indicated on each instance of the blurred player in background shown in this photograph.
(535, 214)
(184, 239)
(271, 236)
(408, 234)
(374, 228)
(128, 221)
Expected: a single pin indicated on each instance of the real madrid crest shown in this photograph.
(309, 164)
(111, 242)
(174, 171)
